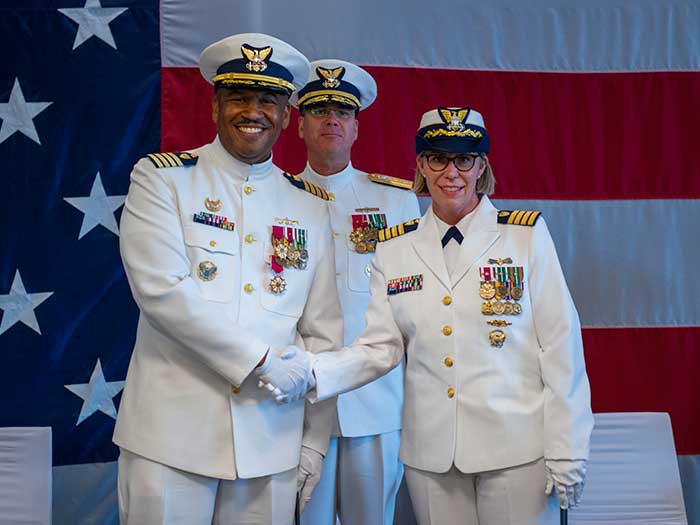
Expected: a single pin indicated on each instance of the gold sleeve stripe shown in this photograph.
(533, 218)
(165, 160)
(382, 238)
(515, 217)
(156, 160)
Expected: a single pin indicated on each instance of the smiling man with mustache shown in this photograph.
(230, 262)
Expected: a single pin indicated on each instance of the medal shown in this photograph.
(497, 338)
(517, 309)
(487, 308)
(501, 290)
(487, 290)
(516, 293)
(365, 230)
(277, 285)
(498, 308)
(508, 308)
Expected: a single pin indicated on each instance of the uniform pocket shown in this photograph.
(213, 256)
(359, 270)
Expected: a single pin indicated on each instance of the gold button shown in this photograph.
(335, 234)
(212, 243)
(235, 389)
(248, 288)
(248, 190)
(447, 300)
(331, 196)
(450, 392)
(249, 238)
(447, 329)
(448, 362)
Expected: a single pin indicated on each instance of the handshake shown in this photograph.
(286, 373)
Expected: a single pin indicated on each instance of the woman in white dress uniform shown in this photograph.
(496, 410)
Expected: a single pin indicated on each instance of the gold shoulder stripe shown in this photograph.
(173, 160)
(397, 231)
(518, 217)
(390, 181)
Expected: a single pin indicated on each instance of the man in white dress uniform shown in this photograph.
(230, 261)
(361, 473)
(496, 409)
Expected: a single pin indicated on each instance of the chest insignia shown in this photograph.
(217, 221)
(289, 250)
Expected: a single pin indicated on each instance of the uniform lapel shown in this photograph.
(426, 242)
(481, 234)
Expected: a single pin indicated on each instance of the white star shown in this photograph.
(17, 115)
(18, 305)
(93, 20)
(98, 208)
(97, 394)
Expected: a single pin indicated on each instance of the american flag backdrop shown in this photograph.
(593, 110)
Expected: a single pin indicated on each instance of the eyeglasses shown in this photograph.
(340, 113)
(439, 161)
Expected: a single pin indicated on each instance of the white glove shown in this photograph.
(308, 474)
(568, 477)
(286, 372)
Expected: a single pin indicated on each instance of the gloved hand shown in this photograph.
(568, 478)
(308, 474)
(286, 372)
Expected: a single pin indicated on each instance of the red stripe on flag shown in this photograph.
(648, 370)
(554, 135)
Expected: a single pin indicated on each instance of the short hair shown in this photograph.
(485, 184)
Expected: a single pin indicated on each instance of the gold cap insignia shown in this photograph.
(257, 57)
(454, 119)
(331, 76)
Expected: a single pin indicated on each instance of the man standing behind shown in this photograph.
(230, 262)
(361, 473)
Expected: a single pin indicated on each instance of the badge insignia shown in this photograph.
(497, 338)
(500, 261)
(277, 285)
(212, 205)
(498, 322)
(206, 271)
(454, 118)
(257, 57)
(331, 76)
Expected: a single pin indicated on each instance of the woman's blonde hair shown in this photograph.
(485, 184)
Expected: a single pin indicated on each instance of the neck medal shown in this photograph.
(365, 231)
(289, 251)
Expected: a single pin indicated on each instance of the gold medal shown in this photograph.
(497, 338)
(508, 308)
(501, 290)
(277, 285)
(498, 308)
(498, 322)
(487, 290)
(487, 308)
(516, 293)
(517, 309)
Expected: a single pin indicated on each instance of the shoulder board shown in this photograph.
(398, 230)
(518, 217)
(173, 160)
(313, 189)
(390, 181)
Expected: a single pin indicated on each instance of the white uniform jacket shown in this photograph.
(375, 408)
(208, 315)
(467, 402)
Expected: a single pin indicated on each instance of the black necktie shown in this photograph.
(452, 233)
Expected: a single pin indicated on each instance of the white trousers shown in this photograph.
(512, 496)
(151, 493)
(360, 478)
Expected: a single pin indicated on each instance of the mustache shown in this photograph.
(243, 121)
